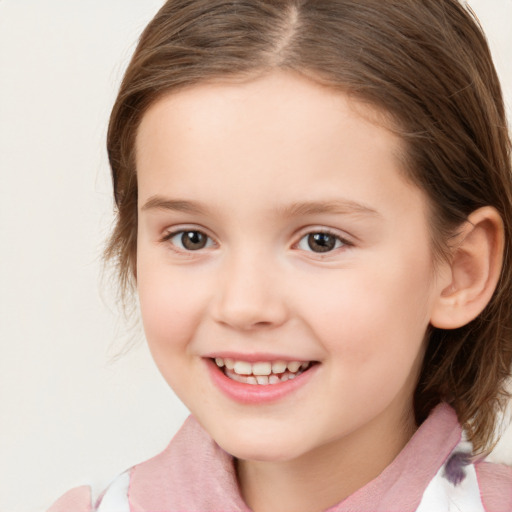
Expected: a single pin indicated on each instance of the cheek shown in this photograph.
(170, 307)
(374, 319)
(171, 311)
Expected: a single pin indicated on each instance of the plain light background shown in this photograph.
(69, 414)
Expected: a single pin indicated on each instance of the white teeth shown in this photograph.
(278, 367)
(294, 366)
(262, 380)
(261, 369)
(242, 368)
(273, 379)
(261, 372)
(234, 376)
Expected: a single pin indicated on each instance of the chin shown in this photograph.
(262, 448)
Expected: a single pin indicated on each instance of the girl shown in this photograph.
(315, 207)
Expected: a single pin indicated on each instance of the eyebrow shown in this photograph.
(336, 206)
(178, 205)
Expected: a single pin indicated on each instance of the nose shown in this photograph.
(250, 294)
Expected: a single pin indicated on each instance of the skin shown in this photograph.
(245, 153)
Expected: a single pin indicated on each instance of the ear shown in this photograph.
(472, 272)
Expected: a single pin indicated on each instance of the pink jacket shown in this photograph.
(433, 473)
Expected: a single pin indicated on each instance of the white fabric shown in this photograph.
(442, 495)
(115, 498)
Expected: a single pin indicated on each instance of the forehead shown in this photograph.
(269, 103)
(275, 138)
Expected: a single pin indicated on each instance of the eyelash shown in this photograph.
(169, 236)
(339, 242)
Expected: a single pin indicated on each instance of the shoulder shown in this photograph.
(78, 500)
(466, 483)
(147, 478)
(495, 482)
(113, 499)
(192, 473)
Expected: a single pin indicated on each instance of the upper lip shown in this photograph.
(255, 357)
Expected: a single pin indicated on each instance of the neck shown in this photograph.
(327, 475)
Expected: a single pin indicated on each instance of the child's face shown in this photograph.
(234, 182)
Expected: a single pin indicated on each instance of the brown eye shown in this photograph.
(320, 242)
(190, 240)
(193, 240)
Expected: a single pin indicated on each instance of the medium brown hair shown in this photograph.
(427, 65)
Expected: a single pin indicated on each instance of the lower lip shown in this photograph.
(256, 393)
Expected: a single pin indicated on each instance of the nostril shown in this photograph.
(261, 324)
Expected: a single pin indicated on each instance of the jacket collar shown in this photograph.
(193, 473)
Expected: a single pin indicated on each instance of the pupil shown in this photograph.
(193, 240)
(321, 242)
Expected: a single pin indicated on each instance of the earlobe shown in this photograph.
(474, 270)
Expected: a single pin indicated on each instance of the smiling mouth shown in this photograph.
(263, 373)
